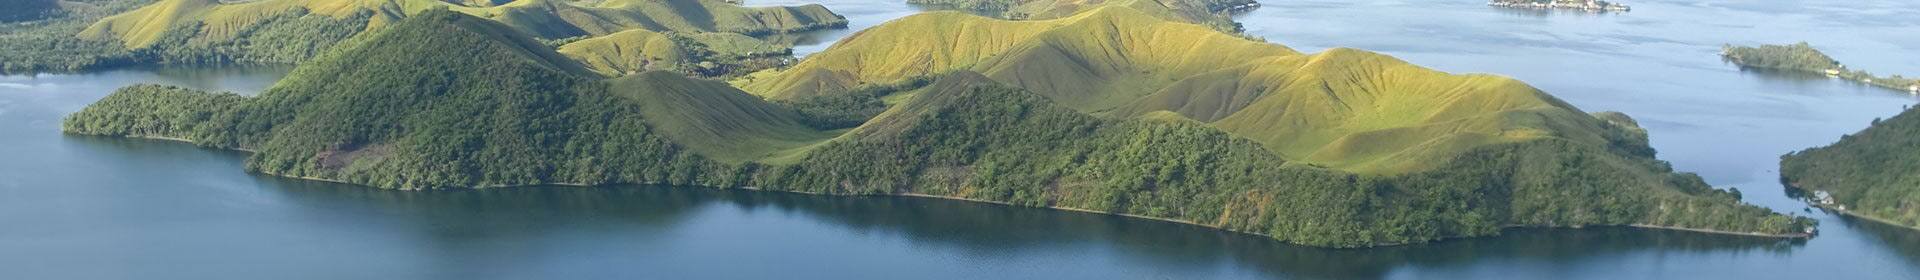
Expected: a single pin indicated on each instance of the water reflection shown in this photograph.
(1900, 239)
(458, 220)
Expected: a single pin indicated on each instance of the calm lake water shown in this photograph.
(84, 207)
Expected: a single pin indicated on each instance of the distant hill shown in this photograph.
(550, 19)
(214, 32)
(507, 111)
(1870, 173)
(639, 50)
(1211, 13)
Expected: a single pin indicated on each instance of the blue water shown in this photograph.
(76, 207)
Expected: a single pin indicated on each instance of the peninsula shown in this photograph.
(1802, 57)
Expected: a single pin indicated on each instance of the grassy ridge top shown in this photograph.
(640, 50)
(1349, 109)
(542, 18)
(1211, 13)
(1077, 60)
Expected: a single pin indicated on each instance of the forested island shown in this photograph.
(1583, 5)
(1802, 57)
(97, 34)
(1868, 174)
(1113, 109)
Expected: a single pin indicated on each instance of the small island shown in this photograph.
(1584, 5)
(1802, 57)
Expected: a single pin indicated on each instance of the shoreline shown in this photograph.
(1880, 220)
(1061, 208)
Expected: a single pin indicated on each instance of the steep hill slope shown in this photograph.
(1090, 61)
(292, 31)
(714, 119)
(639, 50)
(503, 111)
(1868, 173)
(543, 18)
(968, 136)
(1348, 109)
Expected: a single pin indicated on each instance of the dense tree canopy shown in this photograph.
(1870, 173)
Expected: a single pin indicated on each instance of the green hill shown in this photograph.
(551, 19)
(714, 119)
(292, 31)
(1348, 109)
(1091, 61)
(503, 112)
(639, 50)
(1211, 13)
(968, 136)
(1868, 173)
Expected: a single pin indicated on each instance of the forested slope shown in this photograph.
(1868, 173)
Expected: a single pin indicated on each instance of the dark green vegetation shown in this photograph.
(1870, 173)
(48, 44)
(1802, 57)
(508, 110)
(853, 107)
(291, 31)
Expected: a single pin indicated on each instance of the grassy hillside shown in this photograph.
(1090, 61)
(543, 18)
(1211, 13)
(704, 54)
(968, 136)
(291, 31)
(507, 112)
(714, 119)
(1348, 109)
(49, 43)
(1868, 173)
